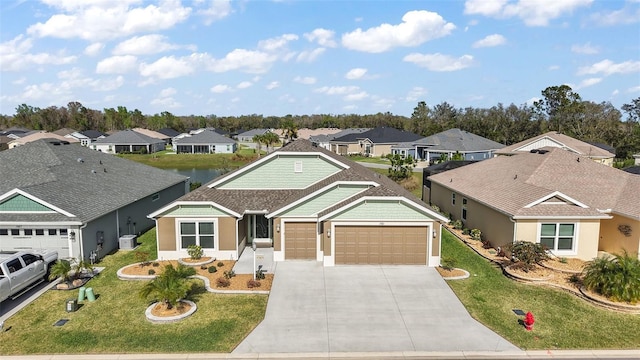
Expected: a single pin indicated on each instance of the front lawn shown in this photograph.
(563, 321)
(166, 160)
(115, 322)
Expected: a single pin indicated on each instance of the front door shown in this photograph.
(259, 228)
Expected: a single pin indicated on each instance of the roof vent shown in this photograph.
(80, 160)
(93, 171)
(533, 151)
(542, 151)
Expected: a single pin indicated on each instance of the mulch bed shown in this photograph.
(446, 273)
(160, 309)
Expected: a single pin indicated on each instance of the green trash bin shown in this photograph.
(72, 305)
(90, 295)
(81, 294)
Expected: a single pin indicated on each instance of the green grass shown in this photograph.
(375, 160)
(417, 181)
(115, 322)
(563, 321)
(166, 160)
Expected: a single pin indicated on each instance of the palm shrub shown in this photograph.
(527, 254)
(617, 277)
(170, 286)
(61, 269)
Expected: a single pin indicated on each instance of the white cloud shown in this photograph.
(244, 85)
(219, 89)
(166, 103)
(143, 45)
(608, 67)
(356, 73)
(629, 14)
(218, 9)
(356, 96)
(254, 62)
(587, 82)
(439, 62)
(416, 94)
(310, 56)
(272, 85)
(587, 49)
(305, 80)
(117, 65)
(634, 89)
(490, 41)
(277, 43)
(337, 90)
(533, 13)
(533, 100)
(167, 92)
(15, 56)
(104, 19)
(94, 49)
(554, 67)
(322, 37)
(167, 68)
(417, 27)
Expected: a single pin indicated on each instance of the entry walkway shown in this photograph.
(264, 257)
(316, 309)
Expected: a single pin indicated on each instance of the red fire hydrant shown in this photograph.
(528, 321)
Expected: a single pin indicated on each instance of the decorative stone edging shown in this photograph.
(207, 283)
(459, 277)
(635, 309)
(169, 319)
(205, 262)
(506, 270)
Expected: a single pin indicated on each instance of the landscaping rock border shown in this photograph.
(205, 262)
(169, 319)
(460, 277)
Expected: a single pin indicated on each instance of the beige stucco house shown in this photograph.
(558, 140)
(307, 203)
(574, 206)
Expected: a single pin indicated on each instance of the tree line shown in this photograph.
(559, 109)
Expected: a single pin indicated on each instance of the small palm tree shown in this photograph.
(617, 277)
(170, 286)
(259, 140)
(61, 269)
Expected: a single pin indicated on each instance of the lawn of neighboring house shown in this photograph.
(563, 321)
(115, 322)
(168, 160)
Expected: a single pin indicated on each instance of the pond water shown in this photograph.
(199, 175)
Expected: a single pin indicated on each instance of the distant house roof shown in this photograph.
(512, 184)
(128, 137)
(381, 135)
(92, 134)
(253, 132)
(633, 169)
(64, 131)
(151, 133)
(169, 132)
(328, 137)
(82, 181)
(606, 147)
(14, 130)
(456, 140)
(556, 139)
(40, 135)
(208, 136)
(308, 133)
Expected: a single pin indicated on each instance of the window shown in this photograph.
(155, 196)
(63, 232)
(40, 232)
(14, 265)
(464, 209)
(453, 198)
(197, 233)
(4, 232)
(53, 231)
(297, 167)
(558, 237)
(28, 232)
(15, 232)
(29, 259)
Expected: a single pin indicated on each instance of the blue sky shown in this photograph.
(284, 57)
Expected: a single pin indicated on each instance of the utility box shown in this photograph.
(71, 305)
(127, 242)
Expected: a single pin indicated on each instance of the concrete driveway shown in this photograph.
(338, 309)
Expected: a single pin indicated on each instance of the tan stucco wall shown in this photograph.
(435, 241)
(325, 242)
(380, 150)
(354, 149)
(227, 233)
(277, 235)
(166, 232)
(586, 243)
(613, 241)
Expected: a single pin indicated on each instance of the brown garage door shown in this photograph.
(381, 245)
(300, 240)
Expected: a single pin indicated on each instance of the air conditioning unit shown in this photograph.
(127, 242)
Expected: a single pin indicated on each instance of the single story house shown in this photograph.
(376, 142)
(205, 142)
(306, 133)
(306, 203)
(128, 141)
(247, 136)
(574, 206)
(323, 140)
(38, 135)
(154, 134)
(556, 139)
(447, 143)
(75, 200)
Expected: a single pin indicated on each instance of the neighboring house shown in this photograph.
(38, 135)
(171, 133)
(448, 143)
(75, 200)
(306, 133)
(205, 142)
(376, 142)
(574, 206)
(555, 139)
(77, 136)
(247, 136)
(128, 141)
(323, 140)
(306, 203)
(154, 134)
(15, 132)
(633, 169)
(93, 135)
(64, 131)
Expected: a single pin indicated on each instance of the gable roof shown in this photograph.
(268, 200)
(457, 140)
(92, 134)
(253, 132)
(127, 137)
(208, 136)
(64, 131)
(84, 182)
(509, 183)
(169, 132)
(556, 139)
(327, 137)
(41, 135)
(381, 135)
(151, 133)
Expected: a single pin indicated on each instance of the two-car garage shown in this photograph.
(387, 245)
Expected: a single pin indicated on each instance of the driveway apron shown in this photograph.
(313, 308)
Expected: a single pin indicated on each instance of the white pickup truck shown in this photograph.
(21, 270)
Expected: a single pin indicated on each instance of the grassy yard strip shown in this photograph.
(375, 160)
(115, 322)
(563, 321)
(165, 160)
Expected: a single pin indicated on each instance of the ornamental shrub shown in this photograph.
(527, 254)
(617, 277)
